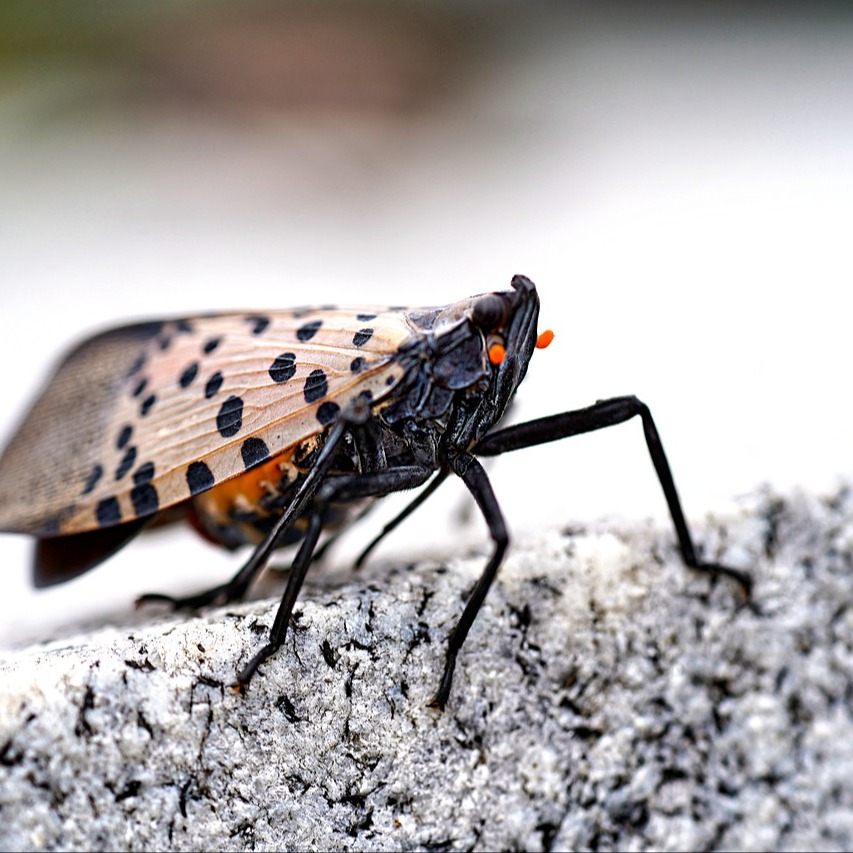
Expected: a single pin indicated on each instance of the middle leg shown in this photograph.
(342, 488)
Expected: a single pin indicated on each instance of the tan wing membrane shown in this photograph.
(145, 416)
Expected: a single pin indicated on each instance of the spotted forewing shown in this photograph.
(142, 417)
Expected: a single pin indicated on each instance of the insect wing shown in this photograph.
(142, 417)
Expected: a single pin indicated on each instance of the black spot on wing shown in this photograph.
(365, 317)
(147, 403)
(211, 345)
(308, 330)
(213, 385)
(199, 478)
(138, 364)
(258, 322)
(144, 499)
(357, 365)
(254, 451)
(283, 367)
(140, 387)
(96, 473)
(164, 342)
(143, 473)
(184, 326)
(229, 420)
(361, 337)
(327, 412)
(316, 386)
(108, 512)
(188, 375)
(54, 524)
(124, 436)
(127, 462)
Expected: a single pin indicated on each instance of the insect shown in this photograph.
(268, 429)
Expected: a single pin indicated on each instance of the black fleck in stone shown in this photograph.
(108, 512)
(213, 385)
(189, 374)
(357, 365)
(141, 386)
(283, 367)
(127, 462)
(147, 403)
(199, 478)
(327, 412)
(95, 475)
(211, 345)
(254, 450)
(258, 322)
(143, 473)
(307, 331)
(361, 337)
(229, 421)
(365, 317)
(144, 499)
(316, 386)
(124, 436)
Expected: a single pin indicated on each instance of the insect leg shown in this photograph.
(330, 541)
(371, 451)
(339, 488)
(237, 586)
(603, 414)
(298, 570)
(402, 515)
(474, 477)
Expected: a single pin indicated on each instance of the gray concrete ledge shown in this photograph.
(606, 698)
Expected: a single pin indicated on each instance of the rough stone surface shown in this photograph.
(606, 699)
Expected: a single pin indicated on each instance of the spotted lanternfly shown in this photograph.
(267, 429)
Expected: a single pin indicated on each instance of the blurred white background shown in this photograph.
(678, 183)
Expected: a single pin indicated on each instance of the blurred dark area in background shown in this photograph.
(394, 59)
(251, 57)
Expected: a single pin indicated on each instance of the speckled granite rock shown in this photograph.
(606, 698)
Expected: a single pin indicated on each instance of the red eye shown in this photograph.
(497, 353)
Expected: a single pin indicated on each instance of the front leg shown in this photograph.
(603, 414)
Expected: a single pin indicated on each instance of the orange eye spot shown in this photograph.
(497, 353)
(544, 339)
